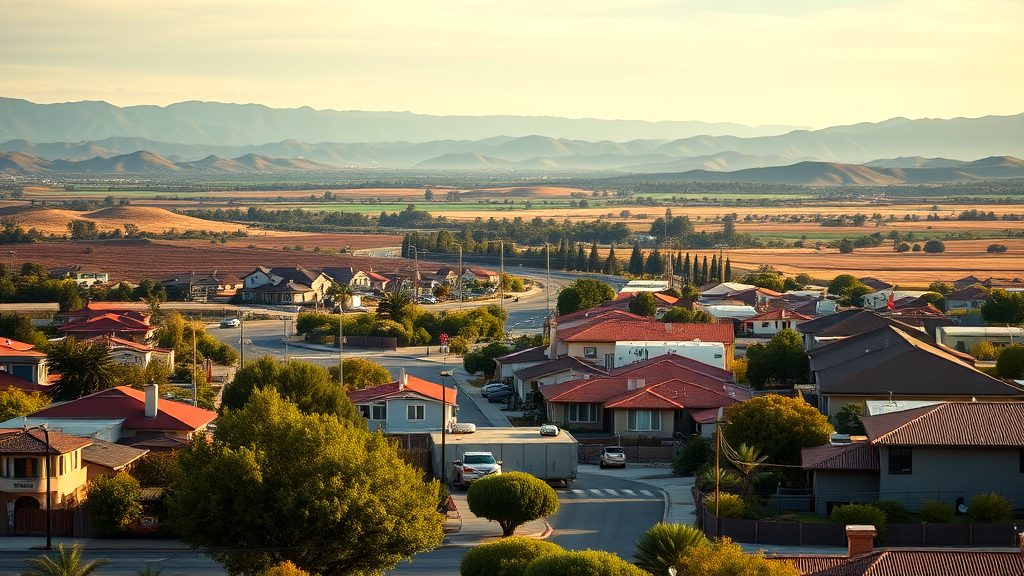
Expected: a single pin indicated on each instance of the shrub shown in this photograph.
(458, 346)
(285, 568)
(507, 557)
(158, 469)
(934, 246)
(512, 499)
(697, 451)
(990, 507)
(903, 247)
(739, 370)
(705, 481)
(779, 425)
(984, 351)
(1010, 363)
(663, 545)
(996, 248)
(937, 511)
(113, 503)
(583, 563)
(916, 248)
(730, 505)
(895, 512)
(860, 514)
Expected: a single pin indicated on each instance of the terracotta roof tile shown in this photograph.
(997, 424)
(858, 455)
(535, 354)
(412, 386)
(778, 314)
(129, 403)
(110, 455)
(10, 347)
(613, 330)
(8, 381)
(562, 364)
(16, 441)
(930, 563)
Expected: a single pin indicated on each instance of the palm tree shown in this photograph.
(83, 368)
(339, 293)
(66, 563)
(148, 570)
(662, 546)
(393, 304)
(748, 460)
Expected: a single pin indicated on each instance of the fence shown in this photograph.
(814, 534)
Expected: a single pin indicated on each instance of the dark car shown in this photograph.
(500, 395)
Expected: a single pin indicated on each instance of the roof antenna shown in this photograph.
(890, 396)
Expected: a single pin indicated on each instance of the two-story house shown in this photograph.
(125, 351)
(482, 275)
(284, 285)
(407, 405)
(349, 276)
(772, 322)
(23, 469)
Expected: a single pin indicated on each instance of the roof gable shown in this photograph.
(993, 424)
(614, 330)
(423, 388)
(129, 403)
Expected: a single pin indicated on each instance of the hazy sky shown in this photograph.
(802, 62)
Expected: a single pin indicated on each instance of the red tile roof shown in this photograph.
(18, 441)
(614, 330)
(10, 348)
(111, 341)
(377, 277)
(8, 381)
(534, 354)
(929, 562)
(614, 307)
(130, 404)
(669, 364)
(108, 322)
(858, 455)
(996, 424)
(413, 386)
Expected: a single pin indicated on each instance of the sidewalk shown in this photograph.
(479, 530)
(491, 410)
(21, 543)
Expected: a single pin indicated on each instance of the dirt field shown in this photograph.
(148, 219)
(135, 260)
(276, 240)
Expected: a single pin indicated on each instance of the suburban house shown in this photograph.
(143, 415)
(772, 322)
(507, 365)
(614, 340)
(875, 284)
(723, 290)
(407, 405)
(22, 366)
(560, 369)
(125, 351)
(482, 275)
(294, 285)
(894, 364)
(107, 458)
(963, 338)
(850, 322)
(659, 397)
(446, 275)
(134, 310)
(82, 278)
(23, 468)
(349, 276)
(880, 298)
(966, 299)
(378, 282)
(110, 323)
(204, 286)
(928, 453)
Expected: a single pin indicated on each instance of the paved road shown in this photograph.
(598, 512)
(126, 562)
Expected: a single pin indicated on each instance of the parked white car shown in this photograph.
(474, 466)
(230, 323)
(613, 456)
(494, 387)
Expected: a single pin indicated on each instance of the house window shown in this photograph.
(364, 410)
(590, 351)
(582, 412)
(901, 461)
(644, 420)
(414, 412)
(379, 411)
(26, 468)
(766, 324)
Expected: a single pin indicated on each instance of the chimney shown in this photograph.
(403, 380)
(152, 397)
(668, 327)
(860, 539)
(1020, 540)
(635, 383)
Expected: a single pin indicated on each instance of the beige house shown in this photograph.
(295, 285)
(23, 470)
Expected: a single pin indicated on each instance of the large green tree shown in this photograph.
(636, 261)
(20, 328)
(482, 359)
(361, 373)
(309, 386)
(778, 425)
(278, 485)
(15, 403)
(114, 503)
(83, 368)
(643, 304)
(582, 294)
(395, 305)
(780, 363)
(1002, 307)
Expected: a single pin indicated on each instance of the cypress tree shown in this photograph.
(581, 259)
(594, 261)
(636, 261)
(714, 267)
(562, 257)
(655, 266)
(686, 270)
(405, 246)
(728, 269)
(695, 276)
(704, 272)
(611, 263)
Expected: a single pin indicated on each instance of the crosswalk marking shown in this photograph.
(646, 493)
(595, 491)
(612, 492)
(608, 493)
(578, 492)
(630, 492)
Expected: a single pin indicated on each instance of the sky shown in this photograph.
(810, 63)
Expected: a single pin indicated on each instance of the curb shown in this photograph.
(542, 535)
(668, 505)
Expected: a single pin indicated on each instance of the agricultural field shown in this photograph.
(134, 260)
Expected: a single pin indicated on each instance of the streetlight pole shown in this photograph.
(501, 275)
(341, 342)
(195, 385)
(416, 273)
(547, 277)
(49, 502)
(444, 424)
(461, 298)
(241, 340)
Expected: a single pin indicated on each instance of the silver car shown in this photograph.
(613, 456)
(474, 466)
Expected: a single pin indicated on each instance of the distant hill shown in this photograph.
(914, 162)
(145, 162)
(837, 174)
(220, 124)
(148, 219)
(464, 161)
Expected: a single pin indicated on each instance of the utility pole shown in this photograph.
(718, 474)
(285, 339)
(547, 278)
(195, 387)
(48, 472)
(341, 342)
(461, 298)
(501, 275)
(241, 340)
(416, 274)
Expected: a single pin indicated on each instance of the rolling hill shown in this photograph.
(148, 219)
(146, 162)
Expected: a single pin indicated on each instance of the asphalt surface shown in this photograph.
(597, 512)
(126, 562)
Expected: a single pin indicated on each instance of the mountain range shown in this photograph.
(221, 124)
(145, 162)
(907, 170)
